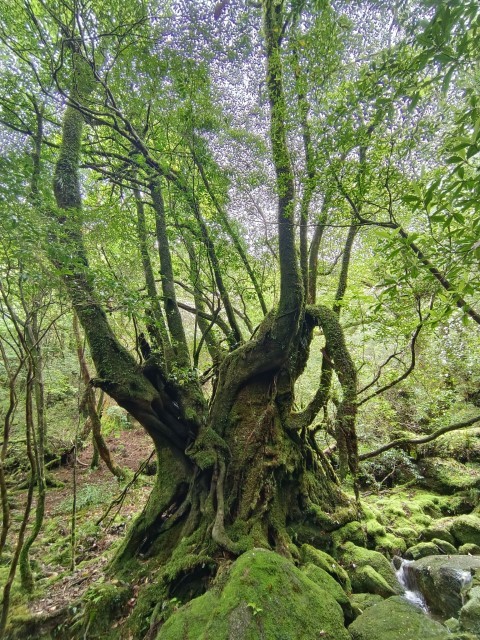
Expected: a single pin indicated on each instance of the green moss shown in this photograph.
(466, 529)
(421, 550)
(362, 601)
(353, 532)
(390, 545)
(396, 619)
(325, 581)
(444, 546)
(263, 597)
(469, 549)
(103, 602)
(369, 580)
(449, 476)
(355, 559)
(310, 555)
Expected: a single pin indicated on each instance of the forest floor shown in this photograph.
(56, 583)
(394, 517)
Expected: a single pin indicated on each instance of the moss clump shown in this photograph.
(321, 559)
(356, 559)
(396, 619)
(263, 597)
(445, 547)
(466, 529)
(362, 601)
(369, 580)
(469, 549)
(390, 545)
(103, 602)
(448, 476)
(351, 532)
(325, 581)
(440, 529)
(422, 550)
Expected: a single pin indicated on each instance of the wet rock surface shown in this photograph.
(443, 581)
(396, 619)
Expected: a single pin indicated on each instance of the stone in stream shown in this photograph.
(396, 619)
(442, 581)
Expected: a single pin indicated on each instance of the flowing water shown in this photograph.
(412, 594)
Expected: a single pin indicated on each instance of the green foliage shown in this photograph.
(90, 495)
(389, 468)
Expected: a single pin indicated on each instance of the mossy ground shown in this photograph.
(244, 599)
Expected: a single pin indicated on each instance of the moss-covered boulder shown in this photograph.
(448, 475)
(263, 597)
(369, 580)
(325, 581)
(352, 532)
(421, 550)
(466, 529)
(439, 529)
(445, 547)
(362, 601)
(470, 612)
(369, 571)
(442, 581)
(396, 619)
(390, 545)
(325, 561)
(469, 549)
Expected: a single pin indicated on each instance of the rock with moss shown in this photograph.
(396, 619)
(362, 601)
(448, 475)
(469, 549)
(325, 581)
(374, 529)
(263, 596)
(390, 545)
(421, 550)
(442, 580)
(440, 529)
(466, 529)
(103, 602)
(445, 547)
(351, 532)
(369, 571)
(470, 612)
(369, 580)
(325, 561)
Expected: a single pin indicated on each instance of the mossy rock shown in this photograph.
(470, 612)
(369, 580)
(469, 549)
(466, 529)
(325, 581)
(440, 529)
(448, 476)
(390, 545)
(103, 602)
(374, 529)
(442, 580)
(396, 619)
(323, 560)
(264, 597)
(445, 547)
(351, 532)
(422, 550)
(408, 534)
(356, 559)
(362, 601)
(459, 445)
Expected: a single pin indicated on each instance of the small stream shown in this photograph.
(412, 594)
